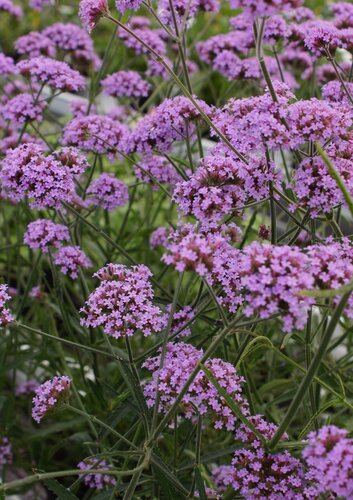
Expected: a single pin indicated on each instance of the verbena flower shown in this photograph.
(27, 172)
(44, 233)
(258, 474)
(70, 260)
(180, 318)
(56, 74)
(11, 8)
(272, 276)
(22, 109)
(50, 396)
(265, 7)
(94, 480)
(91, 11)
(35, 44)
(7, 65)
(313, 185)
(159, 168)
(210, 255)
(329, 456)
(5, 314)
(124, 5)
(148, 36)
(97, 134)
(320, 36)
(74, 42)
(39, 4)
(108, 192)
(159, 237)
(315, 120)
(123, 302)
(222, 184)
(6, 455)
(169, 122)
(201, 396)
(125, 84)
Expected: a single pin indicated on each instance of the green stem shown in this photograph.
(312, 371)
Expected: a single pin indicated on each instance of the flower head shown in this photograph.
(125, 84)
(50, 396)
(329, 456)
(56, 74)
(108, 192)
(44, 233)
(122, 303)
(70, 260)
(5, 314)
(201, 396)
(91, 11)
(96, 481)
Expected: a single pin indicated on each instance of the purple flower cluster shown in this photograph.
(70, 260)
(74, 41)
(108, 192)
(169, 122)
(49, 396)
(126, 84)
(329, 456)
(7, 65)
(39, 4)
(313, 185)
(91, 11)
(265, 7)
(222, 184)
(23, 108)
(272, 276)
(201, 397)
(96, 133)
(11, 8)
(27, 172)
(211, 256)
(321, 35)
(56, 74)
(122, 303)
(96, 481)
(256, 473)
(44, 233)
(5, 314)
(5, 451)
(159, 237)
(180, 319)
(123, 5)
(35, 44)
(158, 168)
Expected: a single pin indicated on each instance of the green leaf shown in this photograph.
(200, 484)
(58, 489)
(255, 344)
(323, 408)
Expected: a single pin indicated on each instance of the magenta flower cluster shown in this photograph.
(123, 302)
(108, 192)
(5, 314)
(94, 480)
(44, 233)
(201, 396)
(49, 396)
